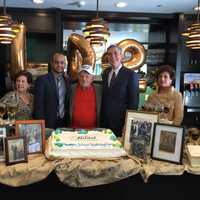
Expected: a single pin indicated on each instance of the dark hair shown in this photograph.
(166, 68)
(25, 73)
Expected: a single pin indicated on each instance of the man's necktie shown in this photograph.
(61, 110)
(112, 80)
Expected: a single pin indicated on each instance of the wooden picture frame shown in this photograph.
(168, 143)
(134, 123)
(34, 131)
(16, 150)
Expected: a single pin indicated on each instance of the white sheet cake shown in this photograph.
(84, 144)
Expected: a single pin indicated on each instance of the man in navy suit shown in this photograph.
(50, 95)
(120, 91)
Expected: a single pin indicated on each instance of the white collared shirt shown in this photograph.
(111, 73)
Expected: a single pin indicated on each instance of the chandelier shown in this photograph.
(8, 29)
(97, 31)
(192, 34)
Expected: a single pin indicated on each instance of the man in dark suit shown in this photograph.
(50, 95)
(120, 91)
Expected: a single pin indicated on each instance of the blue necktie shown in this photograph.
(61, 110)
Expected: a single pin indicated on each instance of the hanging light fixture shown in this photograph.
(192, 34)
(8, 29)
(97, 31)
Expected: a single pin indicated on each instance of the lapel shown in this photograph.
(98, 91)
(71, 99)
(53, 84)
(120, 74)
(107, 75)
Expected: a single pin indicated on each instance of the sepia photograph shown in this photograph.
(168, 143)
(16, 151)
(34, 132)
(139, 124)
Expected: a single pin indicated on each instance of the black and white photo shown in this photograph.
(139, 124)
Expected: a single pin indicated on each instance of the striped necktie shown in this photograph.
(60, 89)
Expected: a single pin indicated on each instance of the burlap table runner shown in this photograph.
(37, 169)
(160, 168)
(85, 173)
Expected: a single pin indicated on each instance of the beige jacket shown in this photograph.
(171, 99)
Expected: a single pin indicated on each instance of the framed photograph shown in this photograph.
(138, 147)
(34, 131)
(191, 88)
(10, 131)
(2, 142)
(16, 150)
(168, 143)
(139, 124)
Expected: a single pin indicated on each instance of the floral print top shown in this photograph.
(24, 110)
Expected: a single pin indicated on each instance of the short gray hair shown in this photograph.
(114, 46)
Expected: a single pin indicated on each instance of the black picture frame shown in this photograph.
(168, 141)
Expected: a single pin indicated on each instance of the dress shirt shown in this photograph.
(111, 73)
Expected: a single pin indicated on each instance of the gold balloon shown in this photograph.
(137, 52)
(104, 61)
(18, 51)
(134, 48)
(79, 51)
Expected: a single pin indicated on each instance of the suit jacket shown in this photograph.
(46, 100)
(98, 90)
(123, 95)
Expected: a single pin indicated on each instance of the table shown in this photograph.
(91, 179)
(81, 173)
(183, 187)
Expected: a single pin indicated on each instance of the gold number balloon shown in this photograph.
(136, 53)
(79, 51)
(135, 58)
(18, 51)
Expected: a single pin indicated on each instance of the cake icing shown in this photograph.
(85, 144)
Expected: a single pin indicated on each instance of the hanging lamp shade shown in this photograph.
(97, 31)
(192, 34)
(8, 28)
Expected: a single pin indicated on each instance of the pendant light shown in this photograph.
(8, 29)
(97, 31)
(192, 34)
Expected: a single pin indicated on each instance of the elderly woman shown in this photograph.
(21, 96)
(166, 100)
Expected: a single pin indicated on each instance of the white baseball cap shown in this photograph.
(87, 68)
